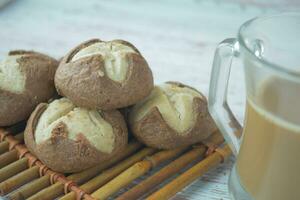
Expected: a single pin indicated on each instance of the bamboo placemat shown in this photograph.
(23, 176)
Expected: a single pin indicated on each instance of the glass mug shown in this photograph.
(268, 152)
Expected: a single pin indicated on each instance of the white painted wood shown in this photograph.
(178, 38)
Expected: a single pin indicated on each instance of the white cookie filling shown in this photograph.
(11, 77)
(78, 121)
(114, 55)
(173, 102)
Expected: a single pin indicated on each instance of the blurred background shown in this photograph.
(177, 38)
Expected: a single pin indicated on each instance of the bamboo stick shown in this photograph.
(20, 136)
(5, 145)
(13, 169)
(169, 170)
(19, 179)
(8, 158)
(85, 175)
(135, 171)
(109, 174)
(49, 193)
(190, 175)
(125, 178)
(30, 188)
(57, 189)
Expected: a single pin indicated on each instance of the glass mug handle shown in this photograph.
(217, 99)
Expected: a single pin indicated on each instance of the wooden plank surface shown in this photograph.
(178, 38)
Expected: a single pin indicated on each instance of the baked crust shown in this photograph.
(65, 155)
(155, 132)
(39, 71)
(82, 83)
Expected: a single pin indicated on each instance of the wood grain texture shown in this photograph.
(178, 38)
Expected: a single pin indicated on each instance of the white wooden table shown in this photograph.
(178, 38)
